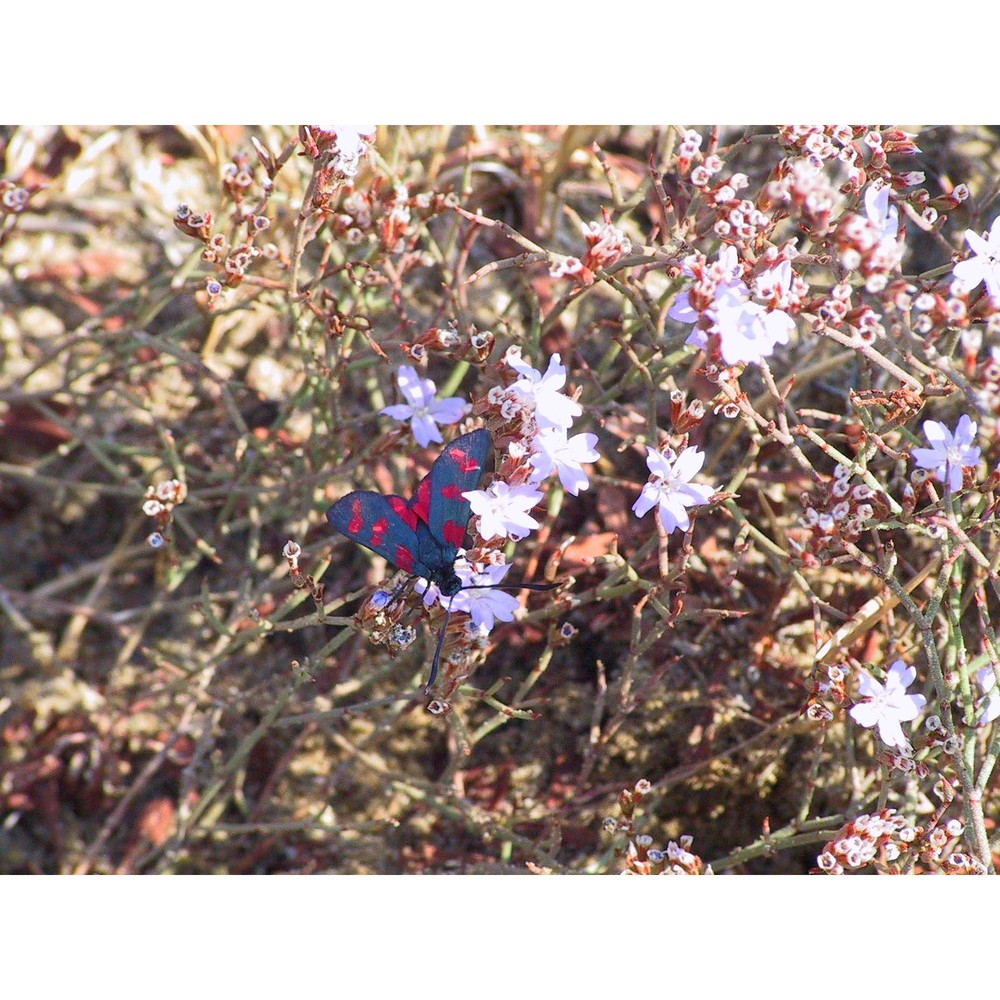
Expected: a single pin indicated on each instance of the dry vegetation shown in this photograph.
(198, 707)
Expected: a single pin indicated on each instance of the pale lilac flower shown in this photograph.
(884, 216)
(422, 410)
(479, 596)
(991, 703)
(948, 452)
(747, 331)
(682, 310)
(728, 260)
(670, 487)
(554, 452)
(483, 601)
(888, 703)
(503, 510)
(715, 278)
(985, 264)
(552, 407)
(774, 283)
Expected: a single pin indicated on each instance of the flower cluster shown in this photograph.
(688, 150)
(529, 418)
(13, 197)
(818, 143)
(605, 245)
(725, 316)
(863, 151)
(738, 220)
(159, 504)
(386, 212)
(888, 843)
(868, 243)
(837, 513)
(354, 217)
(641, 858)
(802, 188)
(882, 839)
(232, 262)
(827, 691)
(470, 345)
(533, 415)
(479, 599)
(237, 177)
(337, 151)
(343, 145)
(636, 850)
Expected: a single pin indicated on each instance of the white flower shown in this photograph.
(991, 703)
(503, 510)
(948, 452)
(985, 264)
(554, 452)
(884, 216)
(352, 143)
(552, 408)
(670, 487)
(423, 411)
(888, 704)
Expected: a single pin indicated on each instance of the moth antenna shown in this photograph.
(440, 644)
(401, 588)
(511, 586)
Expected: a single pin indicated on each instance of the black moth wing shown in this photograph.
(388, 525)
(457, 470)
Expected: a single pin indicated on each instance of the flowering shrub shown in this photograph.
(783, 343)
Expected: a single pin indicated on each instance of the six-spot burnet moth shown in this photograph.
(422, 536)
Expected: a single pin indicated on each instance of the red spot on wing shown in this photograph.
(379, 530)
(421, 503)
(453, 533)
(464, 460)
(402, 508)
(357, 521)
(404, 558)
(452, 492)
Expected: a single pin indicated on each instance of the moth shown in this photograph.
(422, 535)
